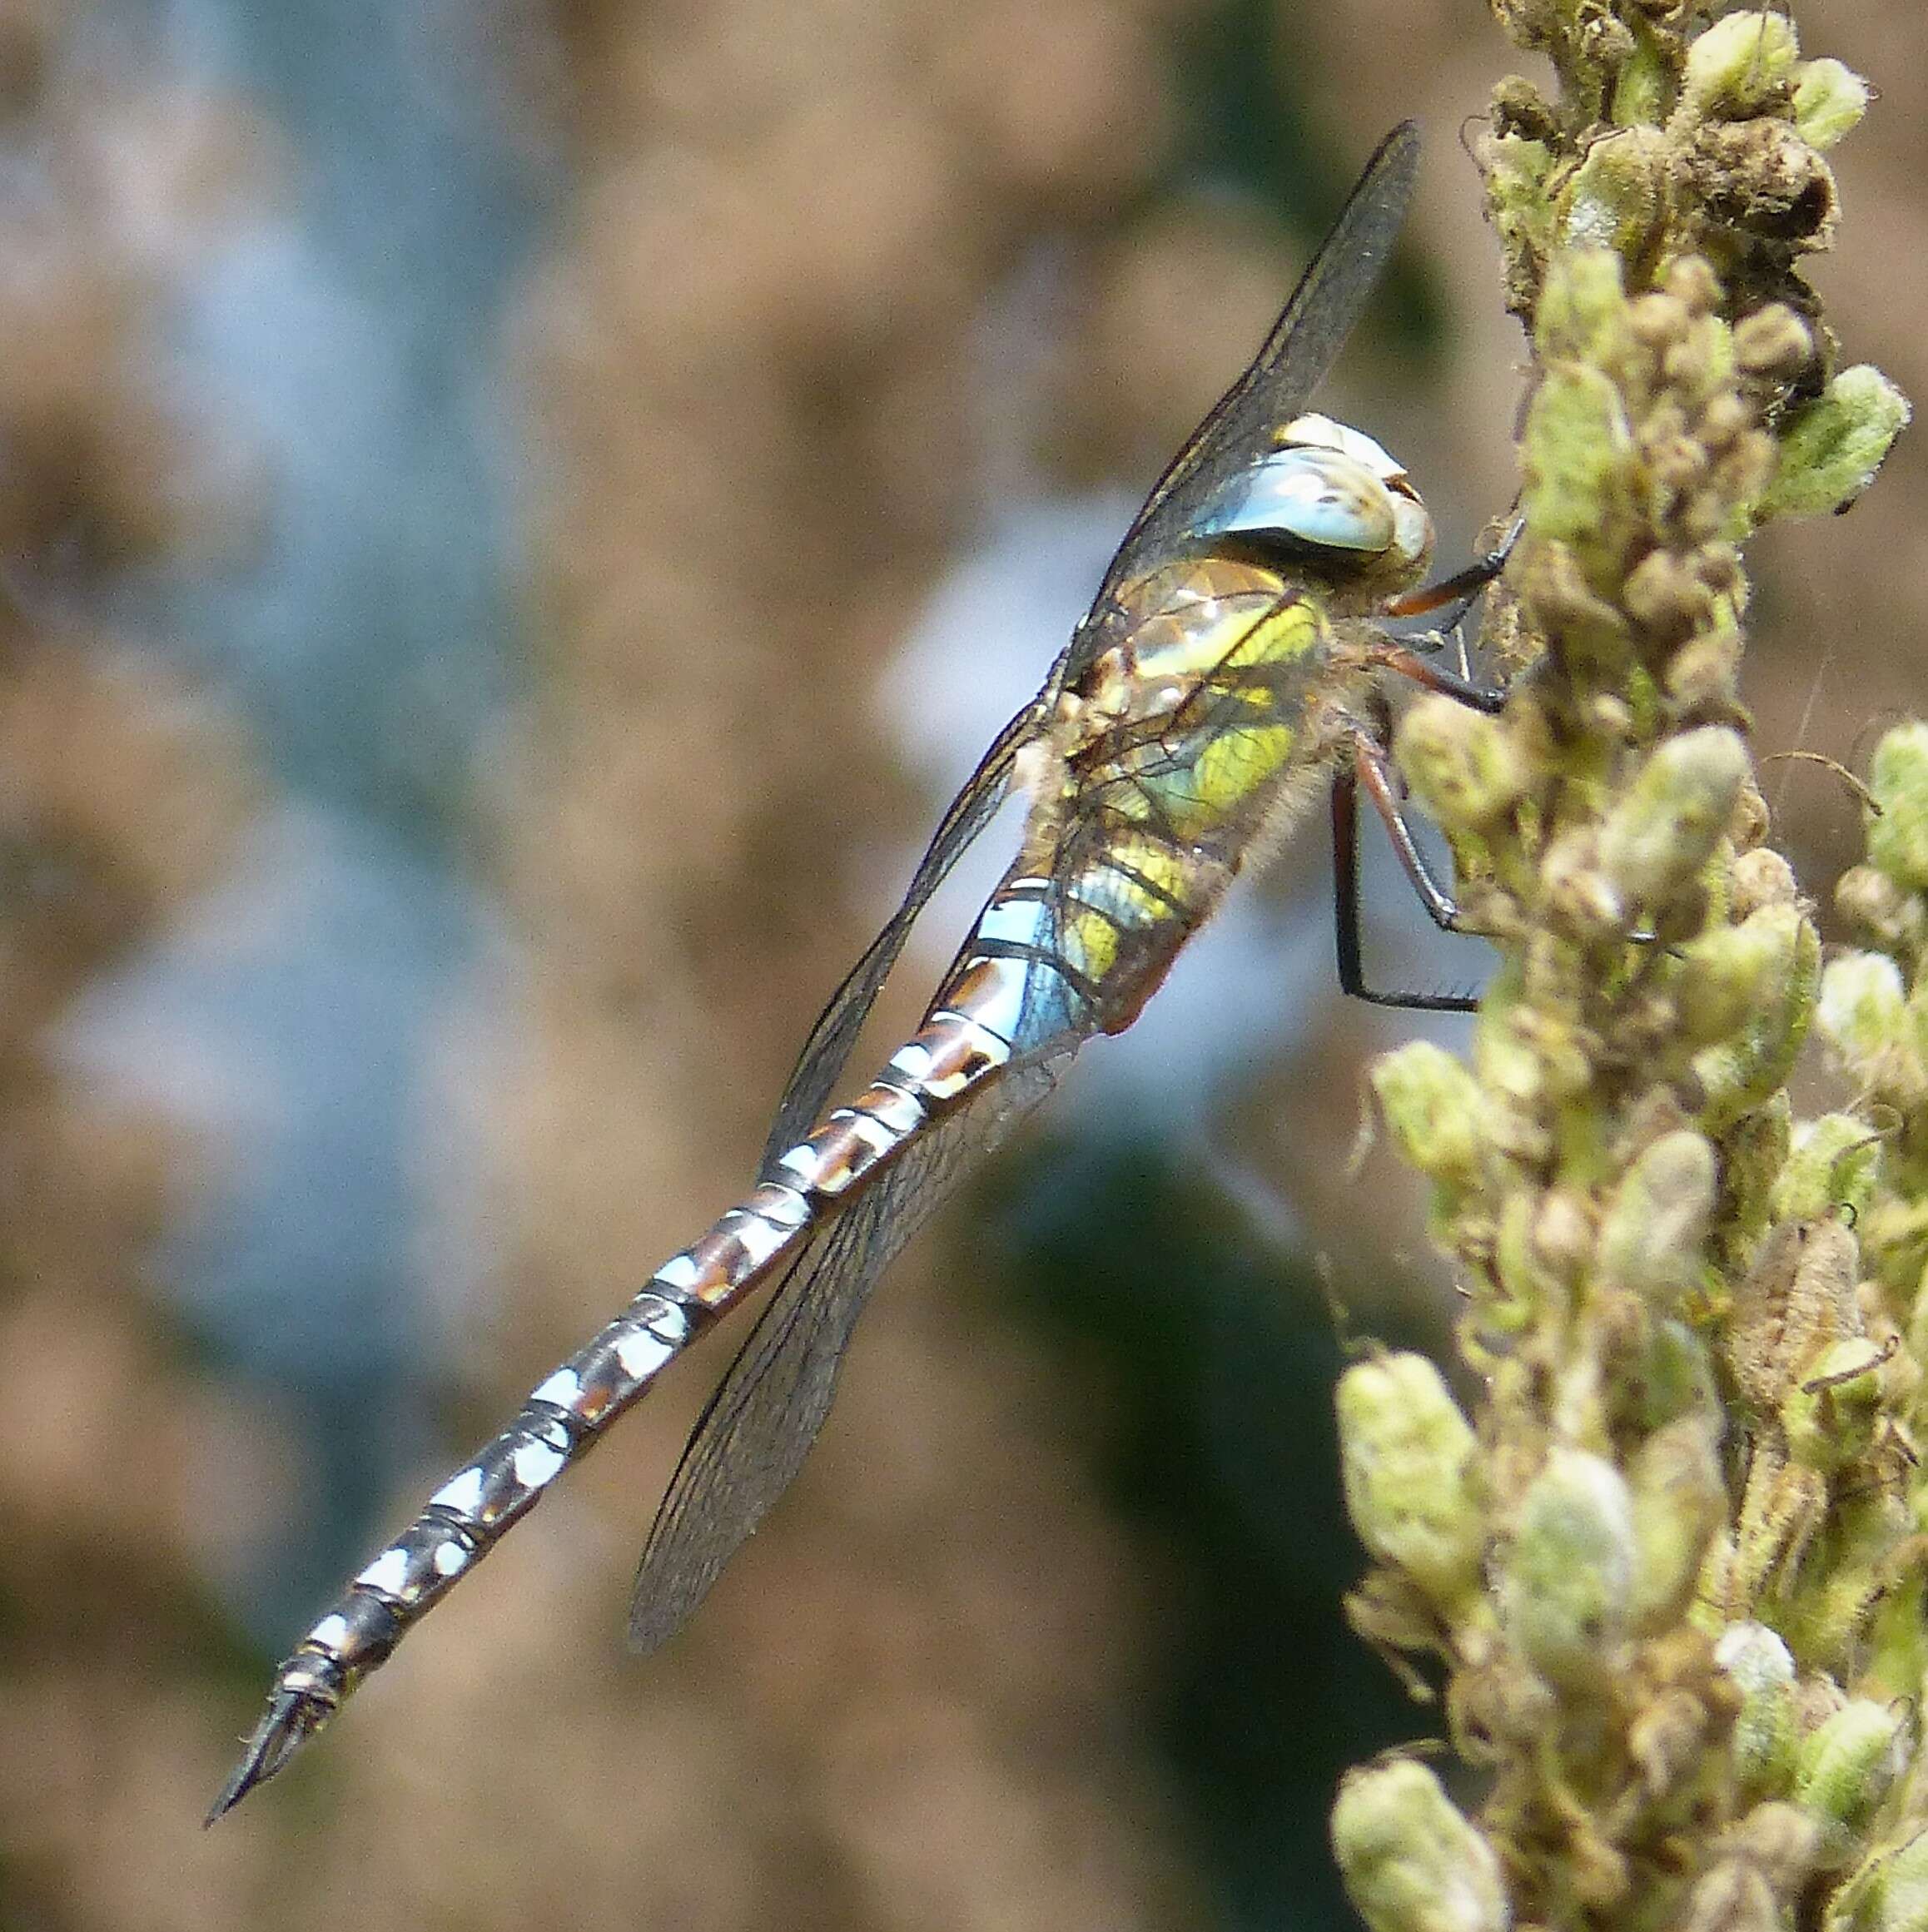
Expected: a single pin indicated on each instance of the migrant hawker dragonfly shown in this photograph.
(1230, 666)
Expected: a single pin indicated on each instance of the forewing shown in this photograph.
(825, 1052)
(759, 1425)
(1279, 382)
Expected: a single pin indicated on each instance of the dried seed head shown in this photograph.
(1761, 878)
(1773, 342)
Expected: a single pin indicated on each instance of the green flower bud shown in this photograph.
(1863, 1011)
(1894, 1236)
(1836, 1161)
(1829, 100)
(1885, 914)
(1651, 1240)
(1845, 1770)
(1763, 1739)
(1831, 1416)
(1566, 1583)
(1667, 1376)
(1757, 1150)
(1748, 1069)
(1898, 839)
(1463, 765)
(1889, 1893)
(1665, 829)
(1432, 1107)
(1831, 447)
(1582, 473)
(1582, 312)
(1406, 1455)
(1617, 198)
(1729, 973)
(1734, 69)
(1411, 1861)
(1644, 86)
(1679, 1501)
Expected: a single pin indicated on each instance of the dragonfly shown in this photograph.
(1233, 664)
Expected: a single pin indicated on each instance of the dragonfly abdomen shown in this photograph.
(966, 1036)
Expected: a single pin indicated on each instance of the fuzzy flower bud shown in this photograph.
(1898, 839)
(1463, 765)
(1834, 1162)
(1411, 1861)
(1831, 447)
(1729, 973)
(1863, 1011)
(1829, 100)
(1567, 1580)
(1888, 1893)
(1762, 1669)
(1679, 1501)
(1830, 1417)
(1406, 1457)
(1733, 68)
(1844, 1769)
(1665, 829)
(1616, 198)
(1744, 1071)
(1650, 1242)
(1432, 1107)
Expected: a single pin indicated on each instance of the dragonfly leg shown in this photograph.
(1463, 586)
(1408, 663)
(1371, 767)
(1456, 594)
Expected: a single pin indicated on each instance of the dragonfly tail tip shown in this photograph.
(290, 1721)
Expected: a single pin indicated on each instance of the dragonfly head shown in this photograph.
(1332, 497)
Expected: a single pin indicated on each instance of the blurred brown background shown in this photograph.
(512, 515)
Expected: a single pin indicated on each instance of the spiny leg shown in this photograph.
(1459, 593)
(1371, 767)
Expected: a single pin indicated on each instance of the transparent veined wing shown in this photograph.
(1279, 381)
(759, 1425)
(826, 1051)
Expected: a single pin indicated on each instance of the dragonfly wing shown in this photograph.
(1304, 344)
(759, 1425)
(825, 1052)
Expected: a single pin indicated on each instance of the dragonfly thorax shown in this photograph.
(1329, 496)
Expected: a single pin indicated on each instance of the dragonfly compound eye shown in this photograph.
(1324, 499)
